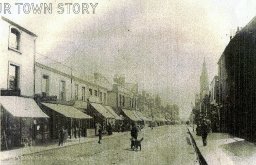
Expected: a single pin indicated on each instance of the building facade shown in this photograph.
(22, 121)
(240, 96)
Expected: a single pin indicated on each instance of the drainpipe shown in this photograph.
(34, 68)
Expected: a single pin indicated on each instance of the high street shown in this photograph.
(161, 145)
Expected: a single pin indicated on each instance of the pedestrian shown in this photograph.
(65, 135)
(204, 131)
(134, 131)
(100, 134)
(61, 136)
(75, 131)
(109, 127)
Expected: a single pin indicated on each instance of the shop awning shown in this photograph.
(67, 111)
(140, 115)
(113, 113)
(21, 107)
(130, 114)
(102, 110)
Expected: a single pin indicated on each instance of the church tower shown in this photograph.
(204, 83)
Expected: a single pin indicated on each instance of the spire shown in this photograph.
(204, 83)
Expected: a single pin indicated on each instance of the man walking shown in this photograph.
(100, 134)
(204, 131)
(134, 131)
(61, 136)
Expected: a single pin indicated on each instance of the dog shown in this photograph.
(135, 144)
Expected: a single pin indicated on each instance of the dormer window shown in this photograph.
(14, 40)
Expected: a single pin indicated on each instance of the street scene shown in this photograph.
(128, 82)
(116, 150)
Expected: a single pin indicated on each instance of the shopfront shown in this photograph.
(22, 122)
(69, 117)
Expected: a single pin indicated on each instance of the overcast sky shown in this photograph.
(159, 44)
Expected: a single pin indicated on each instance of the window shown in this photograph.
(83, 93)
(45, 85)
(14, 40)
(76, 92)
(63, 90)
(90, 90)
(95, 92)
(100, 94)
(14, 77)
(123, 100)
(120, 100)
(105, 98)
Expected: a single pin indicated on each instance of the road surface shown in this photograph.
(161, 145)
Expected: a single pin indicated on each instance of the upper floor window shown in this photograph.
(123, 99)
(76, 92)
(100, 95)
(63, 90)
(95, 92)
(14, 72)
(120, 100)
(14, 40)
(90, 90)
(105, 98)
(45, 85)
(83, 93)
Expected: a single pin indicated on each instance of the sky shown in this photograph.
(159, 44)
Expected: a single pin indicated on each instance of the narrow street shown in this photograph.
(162, 145)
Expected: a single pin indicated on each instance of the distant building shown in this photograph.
(223, 93)
(214, 104)
(204, 82)
(214, 91)
(124, 98)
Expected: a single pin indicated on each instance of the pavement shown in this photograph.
(163, 145)
(224, 149)
(16, 153)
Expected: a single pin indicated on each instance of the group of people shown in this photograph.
(63, 133)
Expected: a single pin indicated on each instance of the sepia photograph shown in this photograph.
(128, 82)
